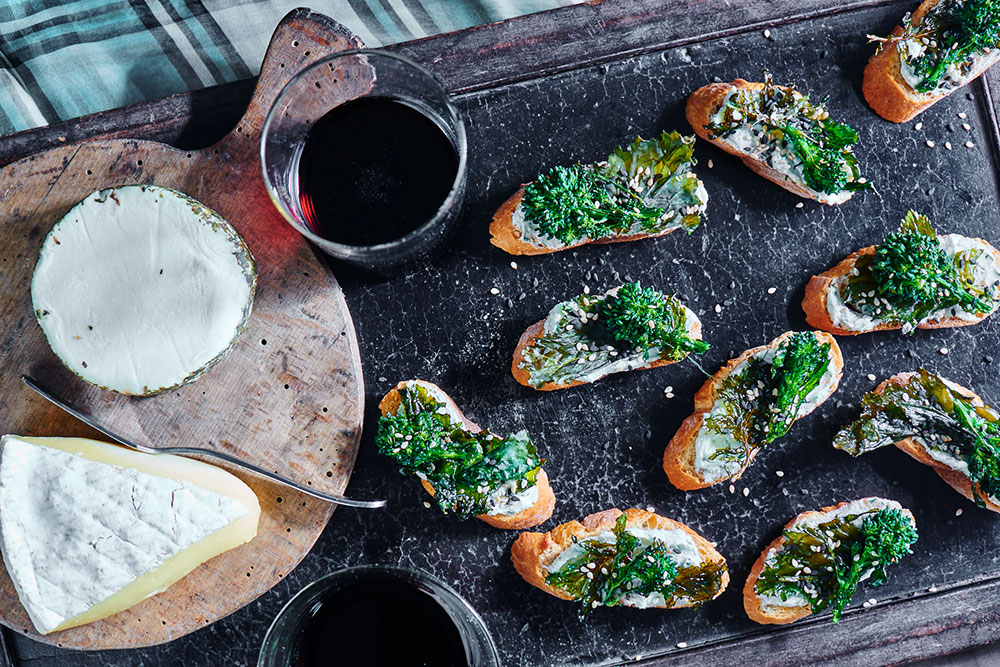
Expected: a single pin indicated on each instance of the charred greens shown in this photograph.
(646, 187)
(589, 336)
(946, 42)
(911, 277)
(760, 402)
(466, 468)
(824, 563)
(604, 573)
(944, 419)
(778, 119)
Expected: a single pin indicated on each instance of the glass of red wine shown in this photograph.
(379, 616)
(364, 153)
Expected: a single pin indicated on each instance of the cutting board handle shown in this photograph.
(301, 38)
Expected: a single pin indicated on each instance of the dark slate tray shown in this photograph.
(604, 442)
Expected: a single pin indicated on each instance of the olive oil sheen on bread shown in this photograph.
(373, 170)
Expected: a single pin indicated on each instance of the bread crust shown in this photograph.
(884, 87)
(533, 552)
(538, 513)
(782, 615)
(679, 455)
(702, 105)
(818, 315)
(537, 330)
(953, 478)
(505, 236)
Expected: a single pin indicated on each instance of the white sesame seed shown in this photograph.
(668, 389)
(918, 126)
(718, 308)
(958, 512)
(746, 492)
(427, 504)
(494, 290)
(962, 115)
(767, 34)
(930, 144)
(732, 489)
(871, 377)
(943, 350)
(799, 205)
(682, 644)
(932, 589)
(966, 127)
(710, 164)
(513, 265)
(872, 601)
(969, 144)
(779, 473)
(586, 289)
(772, 290)
(947, 145)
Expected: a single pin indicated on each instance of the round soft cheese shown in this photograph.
(140, 289)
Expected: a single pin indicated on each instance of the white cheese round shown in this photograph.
(140, 289)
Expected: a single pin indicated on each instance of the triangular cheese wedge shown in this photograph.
(88, 529)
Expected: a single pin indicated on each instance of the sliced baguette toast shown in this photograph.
(679, 456)
(537, 330)
(706, 101)
(885, 89)
(504, 235)
(538, 513)
(817, 311)
(782, 615)
(955, 479)
(533, 552)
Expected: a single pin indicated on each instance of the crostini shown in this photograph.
(914, 279)
(820, 558)
(642, 190)
(589, 337)
(781, 135)
(632, 559)
(938, 423)
(467, 470)
(940, 47)
(749, 403)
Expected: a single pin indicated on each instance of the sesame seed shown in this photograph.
(513, 265)
(718, 308)
(767, 34)
(427, 504)
(779, 473)
(710, 164)
(943, 350)
(966, 127)
(682, 644)
(732, 489)
(930, 144)
(494, 290)
(799, 205)
(918, 126)
(586, 289)
(746, 492)
(947, 145)
(932, 589)
(962, 115)
(871, 377)
(772, 290)
(969, 144)
(872, 601)
(958, 512)
(668, 390)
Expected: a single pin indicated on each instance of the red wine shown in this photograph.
(379, 621)
(373, 170)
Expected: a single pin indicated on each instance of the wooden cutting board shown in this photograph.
(290, 396)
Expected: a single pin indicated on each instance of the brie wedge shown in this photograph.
(88, 529)
(140, 289)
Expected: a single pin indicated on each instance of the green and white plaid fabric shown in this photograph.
(61, 59)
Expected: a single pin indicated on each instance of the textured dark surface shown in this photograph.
(604, 441)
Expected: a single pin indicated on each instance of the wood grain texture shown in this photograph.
(289, 396)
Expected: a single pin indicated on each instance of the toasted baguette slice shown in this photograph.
(888, 93)
(775, 615)
(817, 306)
(706, 101)
(532, 553)
(538, 513)
(916, 449)
(537, 330)
(679, 456)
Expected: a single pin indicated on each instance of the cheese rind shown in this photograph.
(140, 288)
(88, 529)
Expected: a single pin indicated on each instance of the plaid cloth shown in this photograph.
(61, 59)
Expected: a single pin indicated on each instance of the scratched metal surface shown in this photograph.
(604, 441)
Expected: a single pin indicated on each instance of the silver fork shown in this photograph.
(65, 405)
